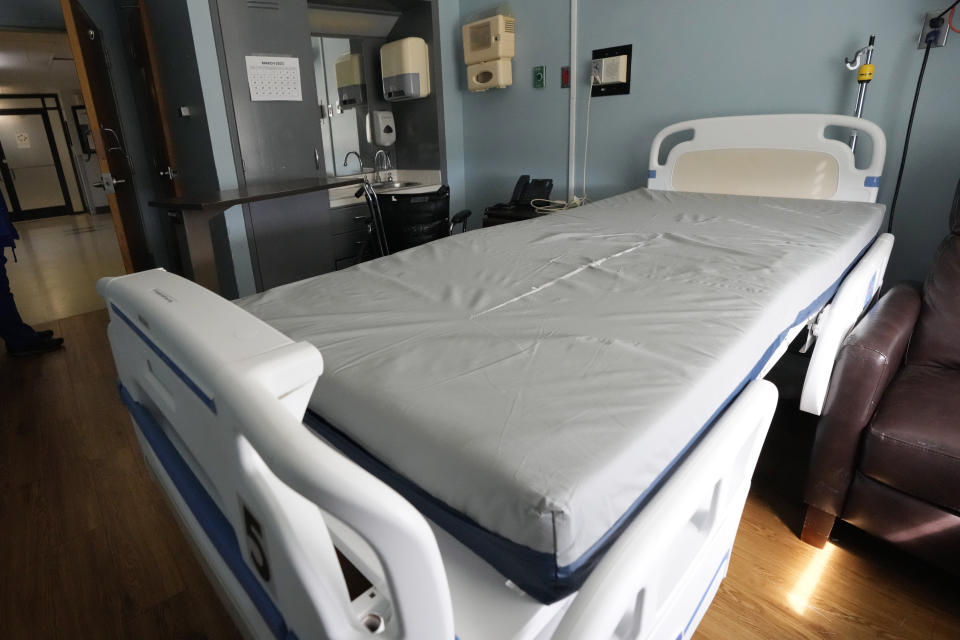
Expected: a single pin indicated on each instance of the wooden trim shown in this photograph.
(81, 64)
(160, 96)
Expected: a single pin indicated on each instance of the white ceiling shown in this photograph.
(36, 61)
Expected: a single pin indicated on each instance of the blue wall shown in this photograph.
(700, 59)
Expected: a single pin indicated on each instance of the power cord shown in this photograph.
(906, 141)
(936, 24)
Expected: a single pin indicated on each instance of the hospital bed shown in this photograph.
(576, 402)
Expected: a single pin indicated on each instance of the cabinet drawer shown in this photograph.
(345, 219)
(345, 248)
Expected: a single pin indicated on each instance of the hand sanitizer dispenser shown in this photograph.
(405, 65)
(384, 128)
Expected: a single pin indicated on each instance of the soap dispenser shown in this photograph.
(384, 128)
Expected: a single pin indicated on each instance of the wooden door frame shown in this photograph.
(98, 142)
(159, 97)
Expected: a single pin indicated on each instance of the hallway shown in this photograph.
(59, 262)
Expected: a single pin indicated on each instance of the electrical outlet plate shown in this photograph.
(539, 77)
(941, 39)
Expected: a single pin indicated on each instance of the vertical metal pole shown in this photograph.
(572, 150)
(862, 95)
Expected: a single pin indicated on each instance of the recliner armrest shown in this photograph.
(867, 361)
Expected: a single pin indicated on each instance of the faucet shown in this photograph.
(353, 153)
(377, 164)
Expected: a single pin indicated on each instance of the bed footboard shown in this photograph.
(217, 398)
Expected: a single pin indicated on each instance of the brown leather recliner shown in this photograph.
(887, 452)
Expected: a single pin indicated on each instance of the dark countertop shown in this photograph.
(226, 199)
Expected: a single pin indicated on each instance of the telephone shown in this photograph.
(519, 208)
(527, 190)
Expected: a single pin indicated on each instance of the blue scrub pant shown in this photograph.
(14, 331)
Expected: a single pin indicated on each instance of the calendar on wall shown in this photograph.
(274, 78)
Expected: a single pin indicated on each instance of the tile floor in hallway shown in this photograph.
(59, 262)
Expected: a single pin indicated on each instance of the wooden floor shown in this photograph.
(91, 550)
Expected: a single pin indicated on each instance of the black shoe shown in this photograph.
(46, 334)
(35, 348)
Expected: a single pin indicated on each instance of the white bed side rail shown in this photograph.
(230, 393)
(629, 595)
(751, 155)
(855, 294)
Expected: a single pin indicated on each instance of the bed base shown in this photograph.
(217, 400)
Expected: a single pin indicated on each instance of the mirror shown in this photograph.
(341, 121)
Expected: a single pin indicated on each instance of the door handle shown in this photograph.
(116, 139)
(170, 173)
(316, 158)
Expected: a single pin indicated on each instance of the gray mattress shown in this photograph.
(538, 377)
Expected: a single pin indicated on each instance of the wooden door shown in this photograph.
(162, 49)
(86, 41)
(141, 44)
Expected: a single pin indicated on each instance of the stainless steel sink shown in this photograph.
(386, 186)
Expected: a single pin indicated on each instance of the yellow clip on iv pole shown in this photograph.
(864, 76)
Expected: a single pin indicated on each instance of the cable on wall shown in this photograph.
(543, 205)
(906, 141)
(931, 37)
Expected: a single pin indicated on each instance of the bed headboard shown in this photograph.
(769, 155)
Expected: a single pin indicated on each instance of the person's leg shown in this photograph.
(20, 338)
(14, 331)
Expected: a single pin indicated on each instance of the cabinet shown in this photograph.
(349, 233)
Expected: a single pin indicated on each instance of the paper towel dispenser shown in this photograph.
(493, 74)
(350, 87)
(405, 65)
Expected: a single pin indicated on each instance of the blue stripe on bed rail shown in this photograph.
(703, 597)
(187, 380)
(218, 529)
(871, 181)
(652, 174)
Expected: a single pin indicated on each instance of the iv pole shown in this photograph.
(864, 76)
